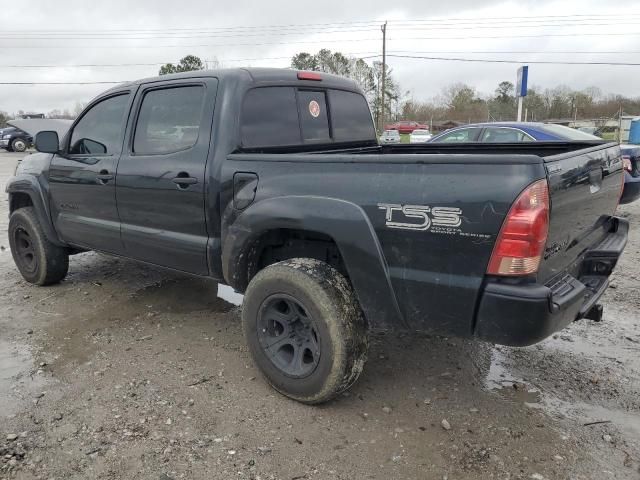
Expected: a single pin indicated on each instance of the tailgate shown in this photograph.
(584, 187)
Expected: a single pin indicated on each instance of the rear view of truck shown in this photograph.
(556, 249)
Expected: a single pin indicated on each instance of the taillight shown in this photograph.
(523, 235)
(626, 163)
(309, 76)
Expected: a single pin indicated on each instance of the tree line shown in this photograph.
(462, 102)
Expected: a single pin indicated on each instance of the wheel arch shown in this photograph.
(25, 191)
(334, 221)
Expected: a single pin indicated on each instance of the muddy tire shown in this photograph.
(39, 261)
(305, 329)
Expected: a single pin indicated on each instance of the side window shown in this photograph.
(350, 116)
(504, 135)
(99, 131)
(460, 136)
(270, 118)
(314, 117)
(169, 120)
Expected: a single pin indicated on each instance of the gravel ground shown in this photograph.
(128, 371)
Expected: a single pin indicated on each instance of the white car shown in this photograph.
(420, 136)
(390, 136)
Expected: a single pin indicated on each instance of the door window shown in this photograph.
(169, 120)
(504, 135)
(460, 136)
(99, 131)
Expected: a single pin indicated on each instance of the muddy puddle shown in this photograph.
(505, 382)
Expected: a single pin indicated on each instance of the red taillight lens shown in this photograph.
(626, 163)
(523, 235)
(309, 76)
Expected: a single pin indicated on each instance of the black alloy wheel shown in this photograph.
(287, 334)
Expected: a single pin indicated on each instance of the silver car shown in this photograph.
(390, 136)
(420, 136)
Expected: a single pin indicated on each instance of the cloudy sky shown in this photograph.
(74, 41)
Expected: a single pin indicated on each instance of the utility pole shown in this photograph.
(384, 72)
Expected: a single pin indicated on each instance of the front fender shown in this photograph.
(346, 223)
(29, 185)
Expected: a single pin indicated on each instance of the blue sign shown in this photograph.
(521, 84)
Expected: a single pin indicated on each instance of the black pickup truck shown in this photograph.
(272, 181)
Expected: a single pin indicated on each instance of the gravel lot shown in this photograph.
(125, 371)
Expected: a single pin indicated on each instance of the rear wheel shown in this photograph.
(39, 261)
(305, 329)
(18, 145)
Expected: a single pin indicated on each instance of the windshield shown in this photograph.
(567, 133)
(421, 132)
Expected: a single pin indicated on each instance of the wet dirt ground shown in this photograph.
(125, 371)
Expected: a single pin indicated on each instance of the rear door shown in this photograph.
(161, 178)
(82, 177)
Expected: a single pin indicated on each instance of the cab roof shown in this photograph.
(252, 75)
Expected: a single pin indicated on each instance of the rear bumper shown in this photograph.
(520, 315)
(631, 191)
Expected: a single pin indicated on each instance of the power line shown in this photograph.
(192, 46)
(155, 64)
(435, 20)
(485, 60)
(612, 34)
(356, 54)
(60, 83)
(213, 34)
(309, 42)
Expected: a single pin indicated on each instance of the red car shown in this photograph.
(406, 126)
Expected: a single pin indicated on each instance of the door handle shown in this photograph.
(183, 180)
(104, 176)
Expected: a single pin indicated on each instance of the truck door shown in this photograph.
(82, 176)
(160, 185)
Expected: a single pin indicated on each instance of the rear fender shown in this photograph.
(349, 227)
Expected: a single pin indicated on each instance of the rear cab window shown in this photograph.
(297, 116)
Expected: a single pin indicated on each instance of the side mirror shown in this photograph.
(47, 142)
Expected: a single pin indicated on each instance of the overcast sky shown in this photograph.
(267, 33)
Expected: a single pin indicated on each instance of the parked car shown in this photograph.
(512, 132)
(542, 132)
(15, 140)
(390, 136)
(285, 195)
(420, 136)
(631, 159)
(405, 127)
(590, 130)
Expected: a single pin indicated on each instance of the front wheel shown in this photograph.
(18, 145)
(305, 329)
(39, 261)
